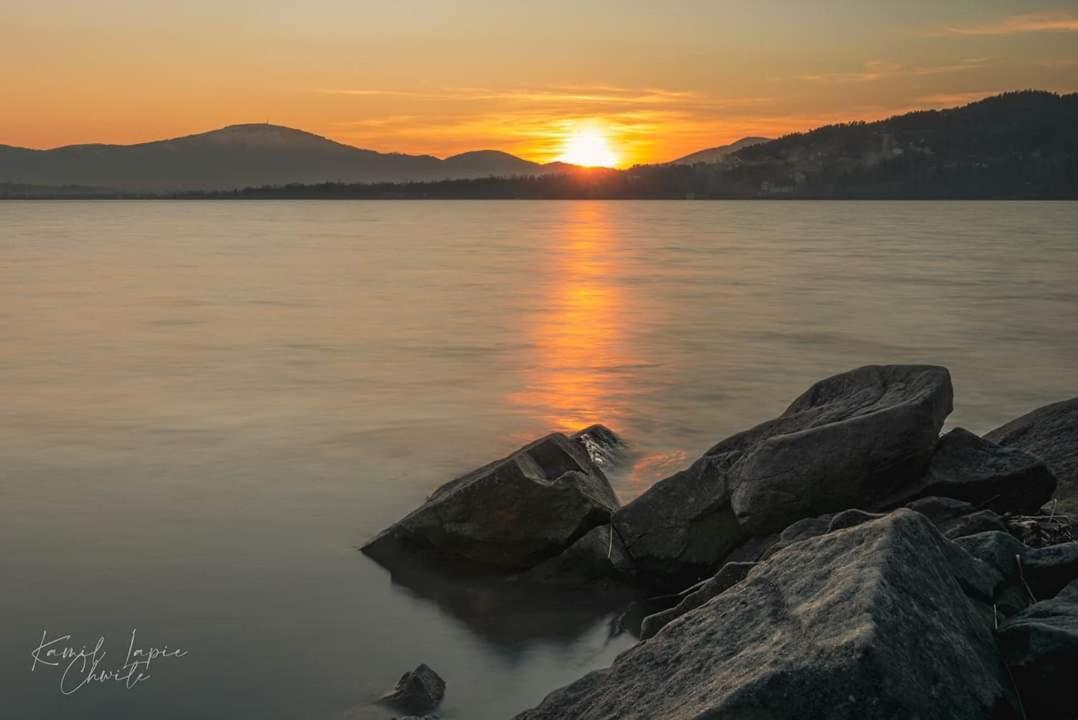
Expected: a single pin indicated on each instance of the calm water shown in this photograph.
(206, 406)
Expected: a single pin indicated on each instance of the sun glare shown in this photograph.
(588, 147)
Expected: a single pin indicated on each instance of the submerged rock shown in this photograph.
(863, 623)
(1004, 479)
(603, 446)
(1040, 644)
(1050, 433)
(848, 441)
(417, 692)
(508, 515)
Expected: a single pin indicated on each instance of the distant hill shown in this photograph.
(1019, 145)
(721, 152)
(240, 156)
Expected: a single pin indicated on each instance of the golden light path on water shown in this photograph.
(583, 359)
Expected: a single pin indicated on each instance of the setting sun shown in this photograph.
(589, 147)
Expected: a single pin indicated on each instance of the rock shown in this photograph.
(798, 531)
(941, 509)
(863, 623)
(417, 692)
(603, 446)
(1050, 433)
(1043, 530)
(1040, 644)
(1044, 570)
(599, 556)
(679, 530)
(978, 522)
(850, 518)
(508, 515)
(848, 441)
(1005, 479)
(729, 575)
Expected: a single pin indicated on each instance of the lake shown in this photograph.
(208, 405)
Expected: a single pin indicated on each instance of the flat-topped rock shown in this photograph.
(509, 515)
(867, 622)
(847, 442)
(1004, 479)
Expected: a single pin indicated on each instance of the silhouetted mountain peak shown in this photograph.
(716, 154)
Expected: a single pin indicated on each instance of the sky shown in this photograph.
(658, 79)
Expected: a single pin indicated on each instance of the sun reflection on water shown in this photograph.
(581, 353)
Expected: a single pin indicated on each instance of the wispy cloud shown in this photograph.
(882, 70)
(1058, 22)
(943, 100)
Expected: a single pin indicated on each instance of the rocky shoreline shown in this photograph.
(841, 560)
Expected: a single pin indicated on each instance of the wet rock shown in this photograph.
(603, 446)
(729, 575)
(848, 441)
(598, 557)
(508, 515)
(417, 692)
(1040, 644)
(867, 622)
(1005, 479)
(1050, 433)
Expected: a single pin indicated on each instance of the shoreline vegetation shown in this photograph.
(842, 560)
(1015, 146)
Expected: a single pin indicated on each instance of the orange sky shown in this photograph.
(662, 79)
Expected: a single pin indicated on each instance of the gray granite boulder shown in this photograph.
(598, 557)
(509, 515)
(417, 692)
(1050, 433)
(679, 530)
(1004, 479)
(1040, 644)
(728, 575)
(864, 623)
(848, 441)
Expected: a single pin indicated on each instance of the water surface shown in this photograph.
(206, 406)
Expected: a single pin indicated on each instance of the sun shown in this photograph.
(588, 147)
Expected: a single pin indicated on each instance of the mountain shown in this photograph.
(715, 154)
(1019, 145)
(240, 156)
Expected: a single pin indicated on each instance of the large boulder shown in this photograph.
(848, 441)
(728, 575)
(1040, 644)
(598, 558)
(679, 530)
(970, 468)
(863, 623)
(418, 691)
(1050, 433)
(508, 515)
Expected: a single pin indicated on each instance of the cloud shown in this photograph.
(1016, 24)
(880, 70)
(944, 100)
